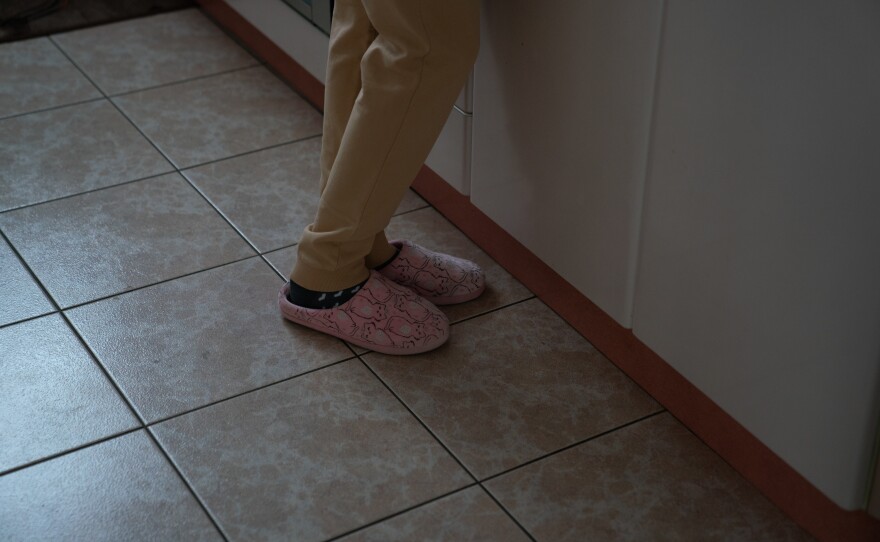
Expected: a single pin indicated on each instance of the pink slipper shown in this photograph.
(382, 316)
(439, 278)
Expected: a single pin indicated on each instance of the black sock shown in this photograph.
(389, 260)
(311, 299)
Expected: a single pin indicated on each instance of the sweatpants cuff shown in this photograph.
(322, 280)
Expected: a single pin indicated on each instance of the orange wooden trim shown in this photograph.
(304, 83)
(780, 483)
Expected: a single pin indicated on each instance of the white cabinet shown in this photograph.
(759, 276)
(451, 156)
(562, 108)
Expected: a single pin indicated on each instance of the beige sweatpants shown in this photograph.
(394, 71)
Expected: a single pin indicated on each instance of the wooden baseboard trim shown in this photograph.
(780, 483)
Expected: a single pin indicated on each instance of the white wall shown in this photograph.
(562, 104)
(760, 264)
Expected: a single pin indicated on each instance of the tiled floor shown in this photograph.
(154, 178)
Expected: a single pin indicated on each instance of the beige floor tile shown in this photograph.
(511, 386)
(53, 396)
(283, 260)
(150, 51)
(36, 75)
(652, 480)
(66, 151)
(428, 228)
(20, 296)
(119, 238)
(309, 458)
(469, 515)
(411, 201)
(271, 195)
(220, 116)
(197, 339)
(122, 489)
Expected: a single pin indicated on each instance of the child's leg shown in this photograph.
(350, 36)
(410, 74)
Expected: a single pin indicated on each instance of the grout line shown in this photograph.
(172, 163)
(496, 309)
(127, 400)
(186, 80)
(287, 83)
(171, 171)
(573, 445)
(277, 271)
(222, 215)
(420, 208)
(506, 511)
(163, 281)
(106, 372)
(150, 141)
(151, 424)
(572, 327)
(80, 338)
(180, 171)
(260, 58)
(70, 451)
(188, 485)
(480, 482)
(417, 418)
(75, 65)
(28, 319)
(105, 96)
(30, 271)
(249, 391)
(114, 104)
(53, 107)
(229, 34)
(401, 512)
(121, 394)
(245, 153)
(89, 191)
(176, 167)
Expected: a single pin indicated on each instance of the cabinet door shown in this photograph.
(562, 106)
(759, 275)
(451, 155)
